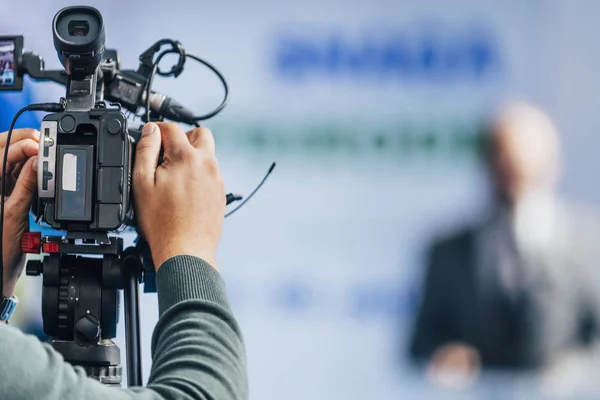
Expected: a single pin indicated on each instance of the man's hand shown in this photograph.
(180, 205)
(455, 365)
(21, 185)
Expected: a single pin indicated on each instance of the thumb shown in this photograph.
(25, 188)
(146, 156)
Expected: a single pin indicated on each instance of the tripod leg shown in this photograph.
(131, 269)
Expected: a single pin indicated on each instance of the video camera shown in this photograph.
(87, 148)
(86, 155)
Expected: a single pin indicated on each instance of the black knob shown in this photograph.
(33, 268)
(88, 328)
(114, 126)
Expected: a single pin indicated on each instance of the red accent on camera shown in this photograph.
(50, 247)
(31, 242)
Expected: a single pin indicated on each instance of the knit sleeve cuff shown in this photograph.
(182, 278)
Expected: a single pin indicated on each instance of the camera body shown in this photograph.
(85, 156)
(84, 170)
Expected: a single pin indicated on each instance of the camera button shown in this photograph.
(114, 126)
(67, 123)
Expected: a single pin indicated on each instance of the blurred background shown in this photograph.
(429, 229)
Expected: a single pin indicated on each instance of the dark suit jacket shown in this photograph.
(559, 312)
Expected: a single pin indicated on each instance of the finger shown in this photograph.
(19, 134)
(146, 155)
(174, 139)
(21, 151)
(11, 179)
(202, 139)
(16, 170)
(25, 188)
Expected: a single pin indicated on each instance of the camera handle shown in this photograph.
(33, 66)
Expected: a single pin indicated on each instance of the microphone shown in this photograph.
(171, 109)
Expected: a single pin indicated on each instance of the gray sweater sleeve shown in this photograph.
(197, 348)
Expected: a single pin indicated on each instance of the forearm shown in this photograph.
(197, 348)
(8, 288)
(11, 277)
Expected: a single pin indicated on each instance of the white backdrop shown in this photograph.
(368, 107)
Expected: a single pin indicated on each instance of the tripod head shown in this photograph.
(80, 300)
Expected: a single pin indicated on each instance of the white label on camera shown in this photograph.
(69, 175)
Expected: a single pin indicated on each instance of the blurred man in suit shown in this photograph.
(518, 289)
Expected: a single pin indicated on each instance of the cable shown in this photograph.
(48, 107)
(173, 71)
(151, 79)
(253, 192)
(225, 87)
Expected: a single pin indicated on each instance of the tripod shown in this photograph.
(82, 275)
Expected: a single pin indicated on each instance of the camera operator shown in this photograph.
(197, 347)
